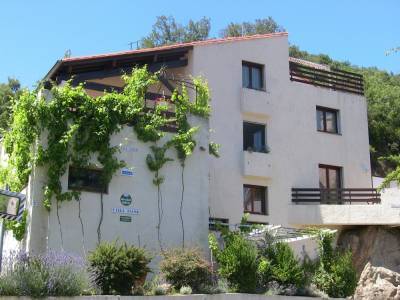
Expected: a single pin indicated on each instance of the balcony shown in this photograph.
(257, 164)
(255, 102)
(318, 207)
(338, 80)
(335, 196)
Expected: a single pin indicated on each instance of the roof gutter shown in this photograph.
(53, 70)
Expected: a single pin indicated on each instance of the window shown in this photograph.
(252, 76)
(327, 120)
(86, 180)
(330, 177)
(254, 137)
(254, 199)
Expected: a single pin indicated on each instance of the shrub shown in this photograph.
(284, 267)
(51, 274)
(340, 280)
(185, 290)
(186, 267)
(237, 261)
(118, 268)
(336, 274)
(161, 290)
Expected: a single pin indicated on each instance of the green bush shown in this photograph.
(116, 269)
(186, 267)
(237, 262)
(340, 280)
(336, 274)
(284, 267)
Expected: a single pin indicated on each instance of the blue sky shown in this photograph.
(34, 34)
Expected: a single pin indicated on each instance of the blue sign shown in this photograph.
(127, 172)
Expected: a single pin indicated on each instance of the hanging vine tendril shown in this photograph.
(78, 127)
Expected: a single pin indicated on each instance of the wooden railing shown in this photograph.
(333, 79)
(336, 196)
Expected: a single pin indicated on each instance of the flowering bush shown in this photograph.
(51, 274)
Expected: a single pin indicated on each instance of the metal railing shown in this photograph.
(336, 196)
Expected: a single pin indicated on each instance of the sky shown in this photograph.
(35, 34)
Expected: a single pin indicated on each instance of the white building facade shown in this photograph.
(294, 149)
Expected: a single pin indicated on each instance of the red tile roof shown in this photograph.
(176, 46)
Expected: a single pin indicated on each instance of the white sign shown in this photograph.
(127, 172)
(125, 210)
(128, 148)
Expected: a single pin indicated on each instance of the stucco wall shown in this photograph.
(142, 230)
(289, 111)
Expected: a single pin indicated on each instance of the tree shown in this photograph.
(167, 31)
(259, 26)
(8, 92)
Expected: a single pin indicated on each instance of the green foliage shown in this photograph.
(237, 261)
(186, 267)
(259, 26)
(17, 227)
(79, 127)
(213, 149)
(167, 31)
(116, 268)
(9, 93)
(336, 274)
(283, 266)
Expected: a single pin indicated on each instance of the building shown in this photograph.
(294, 148)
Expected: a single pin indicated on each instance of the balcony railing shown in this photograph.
(333, 79)
(336, 196)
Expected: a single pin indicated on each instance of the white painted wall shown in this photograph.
(289, 110)
(142, 230)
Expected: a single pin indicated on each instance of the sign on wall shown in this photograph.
(125, 219)
(11, 205)
(127, 172)
(126, 199)
(125, 211)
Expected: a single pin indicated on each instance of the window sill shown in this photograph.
(259, 90)
(263, 152)
(328, 132)
(255, 213)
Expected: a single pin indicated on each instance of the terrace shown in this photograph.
(326, 77)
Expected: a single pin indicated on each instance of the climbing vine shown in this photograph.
(74, 128)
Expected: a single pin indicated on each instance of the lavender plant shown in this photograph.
(50, 274)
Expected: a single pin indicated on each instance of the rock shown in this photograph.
(377, 283)
(379, 245)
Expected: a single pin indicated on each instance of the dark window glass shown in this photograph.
(86, 180)
(329, 177)
(327, 120)
(252, 76)
(246, 76)
(254, 199)
(254, 137)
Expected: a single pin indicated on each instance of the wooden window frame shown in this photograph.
(87, 188)
(264, 140)
(331, 167)
(251, 66)
(324, 110)
(264, 204)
